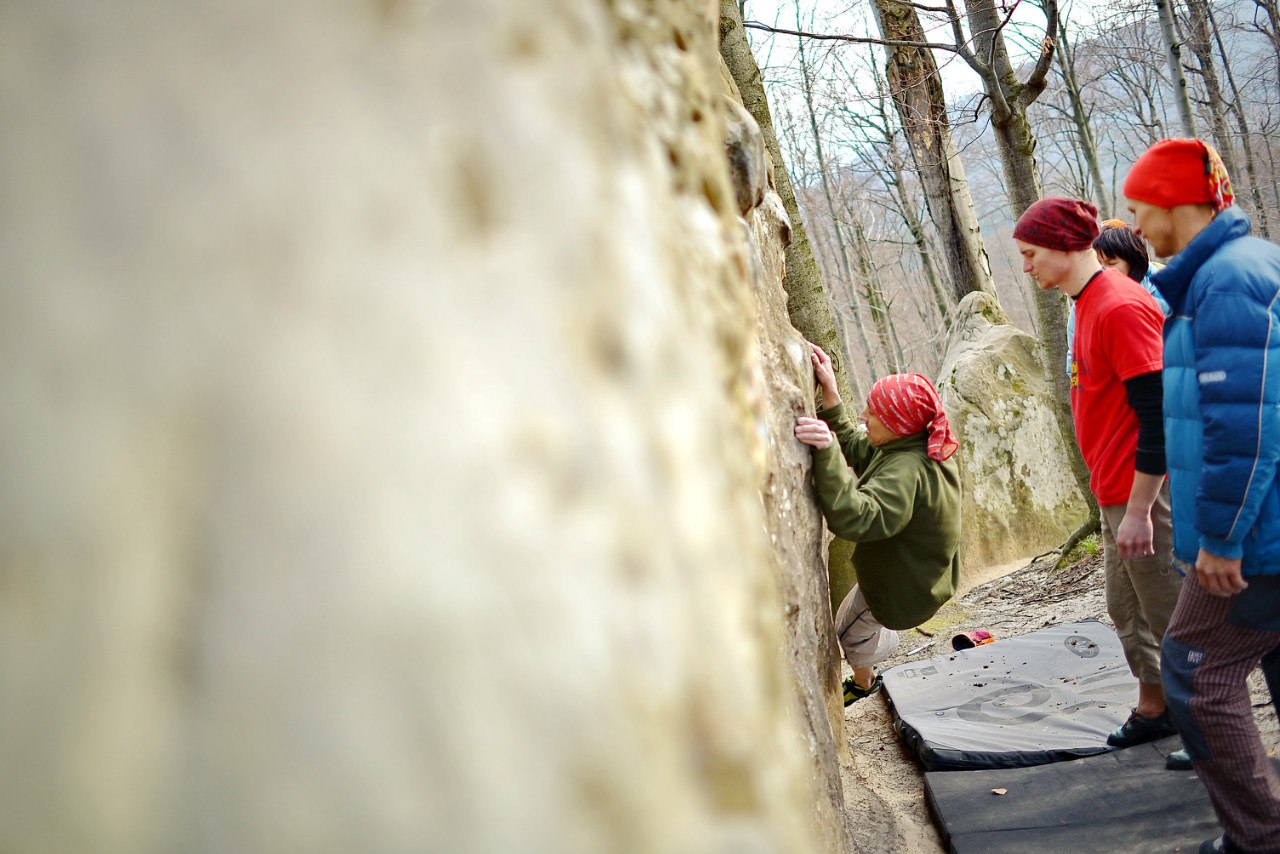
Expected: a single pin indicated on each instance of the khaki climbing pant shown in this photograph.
(862, 639)
(1141, 593)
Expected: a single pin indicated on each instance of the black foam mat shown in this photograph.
(1041, 697)
(1122, 801)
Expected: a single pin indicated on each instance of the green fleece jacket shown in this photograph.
(902, 511)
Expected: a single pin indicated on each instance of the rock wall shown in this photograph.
(397, 438)
(1020, 497)
(792, 517)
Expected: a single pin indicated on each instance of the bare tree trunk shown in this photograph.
(841, 249)
(1272, 166)
(1242, 122)
(1272, 33)
(917, 94)
(806, 299)
(1201, 43)
(1016, 144)
(843, 309)
(908, 212)
(875, 299)
(1067, 62)
(1173, 53)
(842, 292)
(892, 176)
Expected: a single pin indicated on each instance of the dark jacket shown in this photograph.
(902, 511)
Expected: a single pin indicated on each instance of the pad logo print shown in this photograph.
(1020, 703)
(1081, 646)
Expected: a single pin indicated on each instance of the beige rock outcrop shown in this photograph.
(795, 524)
(1020, 497)
(397, 439)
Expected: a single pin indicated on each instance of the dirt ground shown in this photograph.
(883, 782)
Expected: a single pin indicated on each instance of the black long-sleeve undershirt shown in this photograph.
(1146, 397)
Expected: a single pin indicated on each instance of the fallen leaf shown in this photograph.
(999, 791)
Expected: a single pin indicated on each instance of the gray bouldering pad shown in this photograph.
(1041, 697)
(1124, 800)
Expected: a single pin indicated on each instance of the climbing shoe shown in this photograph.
(1139, 729)
(1220, 845)
(853, 692)
(1179, 760)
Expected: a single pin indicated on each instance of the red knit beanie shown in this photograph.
(1180, 172)
(1056, 222)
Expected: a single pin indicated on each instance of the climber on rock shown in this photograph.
(892, 488)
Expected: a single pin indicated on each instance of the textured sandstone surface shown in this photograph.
(397, 438)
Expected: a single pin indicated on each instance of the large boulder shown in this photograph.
(1020, 496)
(397, 438)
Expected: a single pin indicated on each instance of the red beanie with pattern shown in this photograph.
(1180, 172)
(1056, 222)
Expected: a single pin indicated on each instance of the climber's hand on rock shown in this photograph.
(814, 432)
(825, 374)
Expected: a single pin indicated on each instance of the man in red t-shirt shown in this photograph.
(1116, 398)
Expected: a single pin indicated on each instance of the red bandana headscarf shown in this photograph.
(907, 404)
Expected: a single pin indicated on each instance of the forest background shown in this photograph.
(1109, 90)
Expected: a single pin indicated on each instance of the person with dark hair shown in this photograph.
(893, 488)
(1222, 419)
(1118, 247)
(1115, 403)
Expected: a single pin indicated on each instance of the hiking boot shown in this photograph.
(853, 692)
(1178, 760)
(1140, 729)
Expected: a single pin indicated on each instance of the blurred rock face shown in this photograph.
(1019, 492)
(396, 438)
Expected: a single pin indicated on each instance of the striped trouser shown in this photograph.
(1212, 645)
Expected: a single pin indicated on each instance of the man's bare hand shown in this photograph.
(1219, 576)
(814, 432)
(1134, 536)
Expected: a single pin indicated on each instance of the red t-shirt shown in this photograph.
(1118, 337)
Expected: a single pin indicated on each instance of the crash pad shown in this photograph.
(1123, 800)
(1045, 696)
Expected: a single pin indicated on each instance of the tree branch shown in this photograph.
(1036, 81)
(940, 10)
(999, 28)
(756, 25)
(962, 45)
(990, 82)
